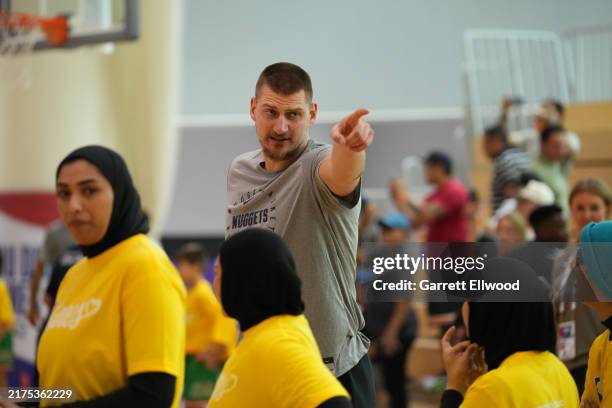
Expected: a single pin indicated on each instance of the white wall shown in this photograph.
(385, 54)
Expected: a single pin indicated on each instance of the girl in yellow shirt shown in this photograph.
(277, 362)
(508, 360)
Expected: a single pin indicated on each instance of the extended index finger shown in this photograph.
(351, 121)
(448, 336)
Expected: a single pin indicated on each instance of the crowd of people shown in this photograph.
(291, 318)
(536, 217)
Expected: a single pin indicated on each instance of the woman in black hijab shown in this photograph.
(116, 333)
(277, 362)
(508, 360)
(127, 218)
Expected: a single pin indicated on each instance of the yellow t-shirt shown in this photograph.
(525, 379)
(117, 314)
(206, 322)
(276, 364)
(7, 316)
(598, 383)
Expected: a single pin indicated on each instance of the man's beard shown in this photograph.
(290, 154)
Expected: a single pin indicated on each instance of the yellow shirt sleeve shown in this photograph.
(594, 364)
(7, 316)
(480, 398)
(153, 309)
(305, 381)
(223, 330)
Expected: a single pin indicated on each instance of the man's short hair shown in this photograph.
(526, 176)
(286, 79)
(437, 158)
(522, 178)
(542, 214)
(497, 132)
(549, 131)
(557, 105)
(192, 253)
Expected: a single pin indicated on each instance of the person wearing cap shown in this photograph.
(595, 263)
(550, 166)
(550, 112)
(394, 227)
(532, 195)
(277, 362)
(535, 194)
(508, 164)
(392, 326)
(443, 213)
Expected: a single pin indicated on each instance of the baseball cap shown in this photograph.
(538, 193)
(395, 221)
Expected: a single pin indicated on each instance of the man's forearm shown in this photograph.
(400, 312)
(346, 169)
(414, 213)
(34, 285)
(341, 171)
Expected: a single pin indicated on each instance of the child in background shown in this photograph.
(210, 336)
(7, 321)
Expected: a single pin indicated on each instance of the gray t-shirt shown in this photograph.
(321, 231)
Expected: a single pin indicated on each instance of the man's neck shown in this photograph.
(271, 165)
(501, 151)
(443, 181)
(547, 160)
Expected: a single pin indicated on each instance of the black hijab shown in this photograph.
(259, 278)
(127, 217)
(504, 328)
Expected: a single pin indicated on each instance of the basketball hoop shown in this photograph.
(15, 26)
(19, 33)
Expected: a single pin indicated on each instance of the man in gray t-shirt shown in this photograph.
(309, 193)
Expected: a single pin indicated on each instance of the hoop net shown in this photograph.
(19, 34)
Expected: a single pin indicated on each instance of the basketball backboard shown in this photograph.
(89, 22)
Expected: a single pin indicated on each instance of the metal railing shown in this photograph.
(588, 53)
(498, 63)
